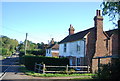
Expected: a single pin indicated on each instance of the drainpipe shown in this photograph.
(84, 48)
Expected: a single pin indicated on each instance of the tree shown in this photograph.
(8, 45)
(112, 9)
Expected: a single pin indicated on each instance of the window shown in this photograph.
(78, 48)
(46, 50)
(49, 51)
(64, 47)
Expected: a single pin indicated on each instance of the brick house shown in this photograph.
(53, 49)
(83, 46)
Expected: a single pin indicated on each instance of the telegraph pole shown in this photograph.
(26, 43)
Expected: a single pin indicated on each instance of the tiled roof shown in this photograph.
(110, 32)
(76, 36)
(54, 46)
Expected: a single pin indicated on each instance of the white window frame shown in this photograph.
(65, 48)
(78, 48)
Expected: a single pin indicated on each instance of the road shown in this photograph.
(6, 63)
(11, 72)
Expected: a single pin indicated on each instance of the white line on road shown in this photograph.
(3, 74)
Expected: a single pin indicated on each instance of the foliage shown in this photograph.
(29, 61)
(8, 45)
(36, 52)
(32, 48)
(110, 71)
(115, 69)
(30, 45)
(112, 9)
(104, 72)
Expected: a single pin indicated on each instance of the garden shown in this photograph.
(107, 71)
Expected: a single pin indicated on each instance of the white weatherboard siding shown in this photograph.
(71, 49)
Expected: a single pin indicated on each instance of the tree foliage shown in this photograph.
(30, 45)
(32, 48)
(8, 45)
(112, 9)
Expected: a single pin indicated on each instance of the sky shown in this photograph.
(46, 20)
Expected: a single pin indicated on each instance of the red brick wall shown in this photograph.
(100, 45)
(114, 42)
(90, 47)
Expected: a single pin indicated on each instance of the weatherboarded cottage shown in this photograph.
(53, 49)
(85, 45)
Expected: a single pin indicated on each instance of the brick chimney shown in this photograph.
(52, 41)
(71, 30)
(100, 48)
(98, 23)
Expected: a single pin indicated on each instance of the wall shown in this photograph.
(72, 52)
(48, 52)
(51, 53)
(72, 49)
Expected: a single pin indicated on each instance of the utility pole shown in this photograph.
(26, 43)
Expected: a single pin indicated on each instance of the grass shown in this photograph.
(83, 78)
(32, 73)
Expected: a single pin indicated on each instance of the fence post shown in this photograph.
(88, 68)
(35, 67)
(39, 68)
(67, 69)
(43, 68)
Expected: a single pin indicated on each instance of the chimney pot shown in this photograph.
(71, 30)
(98, 13)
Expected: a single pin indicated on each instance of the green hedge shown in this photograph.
(21, 54)
(36, 52)
(29, 61)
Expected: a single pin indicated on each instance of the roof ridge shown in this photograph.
(82, 31)
(76, 36)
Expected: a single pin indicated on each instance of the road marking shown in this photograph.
(3, 74)
(1, 77)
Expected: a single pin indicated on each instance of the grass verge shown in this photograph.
(32, 73)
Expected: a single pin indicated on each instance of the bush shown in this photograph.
(29, 61)
(110, 71)
(21, 54)
(36, 52)
(4, 51)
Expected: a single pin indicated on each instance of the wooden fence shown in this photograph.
(42, 68)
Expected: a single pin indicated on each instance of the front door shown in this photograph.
(78, 64)
(78, 61)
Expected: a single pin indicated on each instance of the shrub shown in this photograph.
(36, 52)
(21, 54)
(110, 71)
(29, 61)
(4, 51)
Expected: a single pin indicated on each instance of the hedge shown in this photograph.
(21, 54)
(36, 52)
(29, 61)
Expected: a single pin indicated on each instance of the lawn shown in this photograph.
(32, 73)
